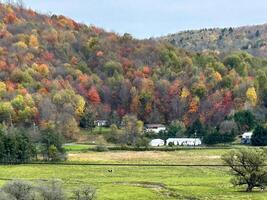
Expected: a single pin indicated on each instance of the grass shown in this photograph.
(141, 183)
(202, 156)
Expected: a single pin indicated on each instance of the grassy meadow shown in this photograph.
(141, 183)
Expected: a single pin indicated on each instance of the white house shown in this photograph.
(101, 123)
(184, 141)
(156, 143)
(246, 137)
(155, 128)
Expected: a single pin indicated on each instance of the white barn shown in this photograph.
(246, 137)
(157, 143)
(100, 123)
(155, 128)
(184, 141)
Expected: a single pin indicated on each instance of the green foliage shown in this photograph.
(215, 137)
(245, 120)
(247, 167)
(52, 142)
(259, 137)
(16, 147)
(87, 120)
(232, 61)
(196, 129)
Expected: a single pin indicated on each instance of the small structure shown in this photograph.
(101, 123)
(184, 141)
(246, 137)
(156, 143)
(155, 128)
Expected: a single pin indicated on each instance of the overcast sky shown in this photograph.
(148, 18)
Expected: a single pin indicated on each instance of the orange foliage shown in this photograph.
(10, 86)
(23, 91)
(10, 18)
(83, 78)
(146, 70)
(33, 42)
(93, 96)
(193, 107)
(43, 91)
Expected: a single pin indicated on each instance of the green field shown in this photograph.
(134, 183)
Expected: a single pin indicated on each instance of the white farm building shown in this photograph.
(246, 137)
(155, 128)
(157, 143)
(184, 141)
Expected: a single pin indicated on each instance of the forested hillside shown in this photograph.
(54, 70)
(252, 39)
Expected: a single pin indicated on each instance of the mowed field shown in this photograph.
(141, 182)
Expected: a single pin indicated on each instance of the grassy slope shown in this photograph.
(157, 183)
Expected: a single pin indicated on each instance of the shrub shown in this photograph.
(101, 148)
(20, 190)
(52, 190)
(85, 193)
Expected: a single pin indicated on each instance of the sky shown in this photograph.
(152, 18)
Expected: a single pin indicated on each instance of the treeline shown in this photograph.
(18, 146)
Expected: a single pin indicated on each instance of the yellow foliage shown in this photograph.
(218, 76)
(42, 69)
(21, 45)
(185, 93)
(80, 105)
(2, 88)
(33, 42)
(252, 95)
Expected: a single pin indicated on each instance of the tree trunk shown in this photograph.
(249, 188)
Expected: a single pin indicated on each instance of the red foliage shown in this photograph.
(174, 88)
(3, 65)
(48, 56)
(121, 111)
(23, 91)
(146, 70)
(93, 96)
(99, 53)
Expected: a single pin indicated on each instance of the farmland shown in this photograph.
(131, 182)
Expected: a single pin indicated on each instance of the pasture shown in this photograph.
(141, 182)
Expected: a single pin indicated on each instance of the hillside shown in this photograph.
(252, 39)
(54, 69)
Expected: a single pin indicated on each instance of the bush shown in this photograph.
(20, 190)
(100, 148)
(5, 196)
(52, 190)
(85, 193)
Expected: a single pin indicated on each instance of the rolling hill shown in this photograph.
(54, 70)
(252, 39)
